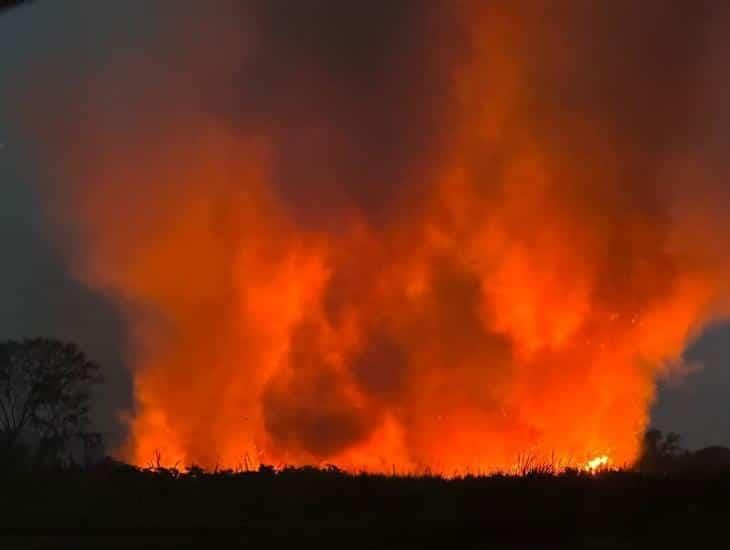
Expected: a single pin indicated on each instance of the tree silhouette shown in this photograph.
(660, 452)
(45, 391)
(671, 445)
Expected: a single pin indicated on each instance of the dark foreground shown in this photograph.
(308, 508)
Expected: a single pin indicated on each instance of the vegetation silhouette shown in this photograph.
(671, 498)
(45, 394)
(312, 506)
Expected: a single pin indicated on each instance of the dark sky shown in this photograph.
(37, 294)
(39, 297)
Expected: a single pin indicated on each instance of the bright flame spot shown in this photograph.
(595, 464)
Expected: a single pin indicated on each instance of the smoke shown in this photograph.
(437, 234)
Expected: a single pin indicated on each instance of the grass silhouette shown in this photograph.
(539, 507)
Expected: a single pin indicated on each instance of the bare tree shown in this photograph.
(45, 392)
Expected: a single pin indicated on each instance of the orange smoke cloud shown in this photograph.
(322, 269)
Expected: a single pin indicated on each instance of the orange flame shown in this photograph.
(524, 296)
(596, 464)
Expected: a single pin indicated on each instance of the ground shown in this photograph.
(307, 507)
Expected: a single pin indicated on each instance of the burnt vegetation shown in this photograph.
(53, 486)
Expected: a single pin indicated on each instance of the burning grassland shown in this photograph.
(370, 235)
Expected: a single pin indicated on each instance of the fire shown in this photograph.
(596, 464)
(448, 252)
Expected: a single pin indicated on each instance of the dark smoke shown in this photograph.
(353, 96)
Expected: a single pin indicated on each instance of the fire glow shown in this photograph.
(439, 280)
(597, 464)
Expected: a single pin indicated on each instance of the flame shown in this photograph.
(596, 464)
(516, 286)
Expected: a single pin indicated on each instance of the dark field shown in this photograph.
(303, 508)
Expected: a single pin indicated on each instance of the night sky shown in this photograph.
(39, 296)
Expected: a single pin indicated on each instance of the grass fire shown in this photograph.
(399, 273)
(423, 236)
